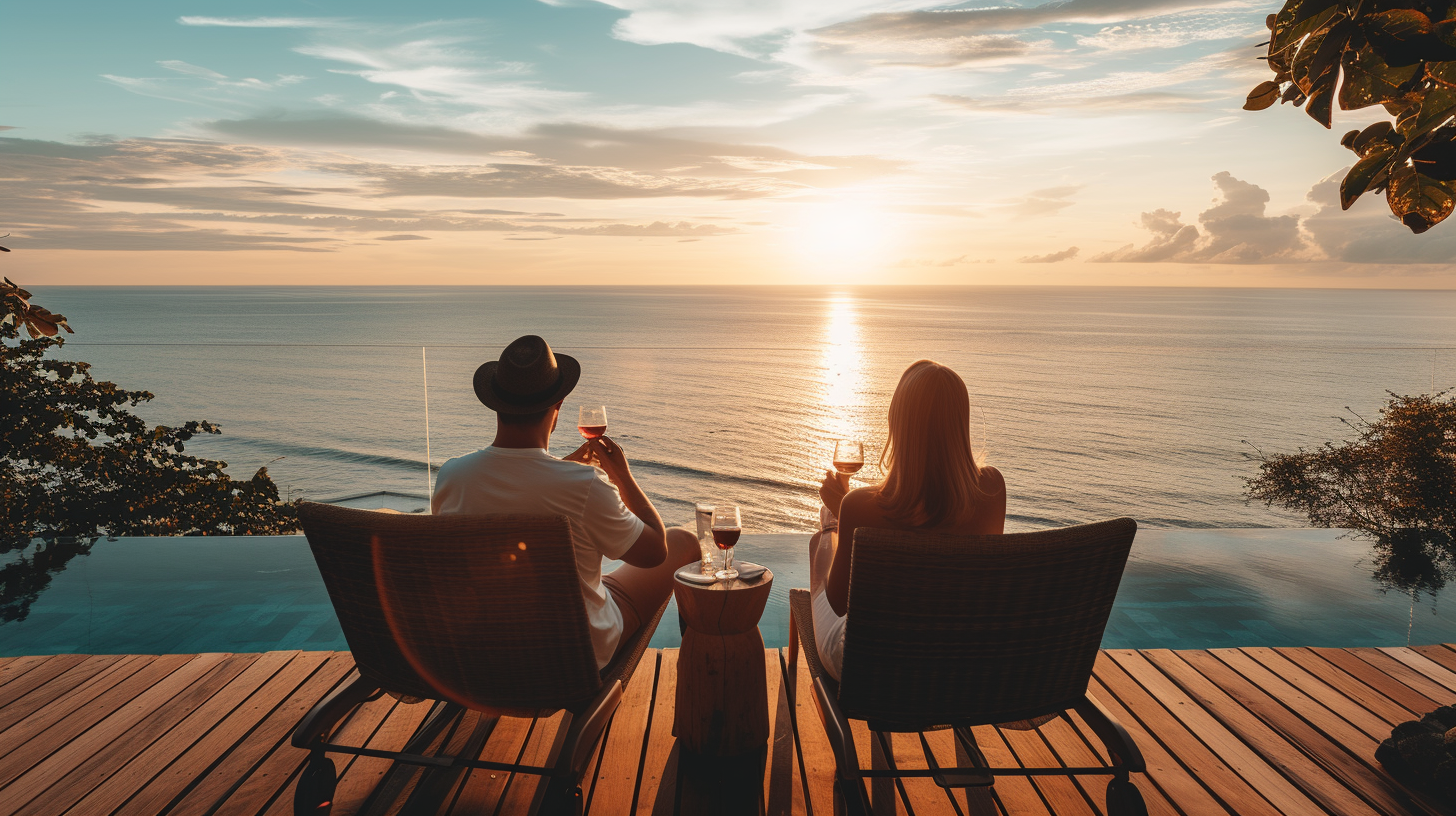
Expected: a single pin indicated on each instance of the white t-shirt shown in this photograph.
(532, 481)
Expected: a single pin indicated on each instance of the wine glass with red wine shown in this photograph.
(592, 421)
(848, 456)
(727, 527)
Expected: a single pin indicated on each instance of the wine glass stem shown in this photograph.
(728, 560)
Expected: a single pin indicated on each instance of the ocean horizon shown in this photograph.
(1093, 401)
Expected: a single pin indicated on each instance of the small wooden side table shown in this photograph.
(722, 690)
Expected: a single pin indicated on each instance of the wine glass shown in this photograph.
(848, 456)
(727, 527)
(592, 421)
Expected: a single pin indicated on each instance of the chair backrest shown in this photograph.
(972, 629)
(486, 611)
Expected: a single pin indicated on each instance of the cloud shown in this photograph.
(1173, 32)
(638, 150)
(1055, 257)
(851, 53)
(262, 22)
(1235, 231)
(910, 263)
(503, 180)
(1368, 234)
(7, 127)
(1041, 202)
(942, 23)
(191, 70)
(1163, 101)
(180, 194)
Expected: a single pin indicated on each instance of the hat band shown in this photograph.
(526, 399)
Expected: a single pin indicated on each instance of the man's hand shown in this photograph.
(581, 455)
(832, 490)
(610, 458)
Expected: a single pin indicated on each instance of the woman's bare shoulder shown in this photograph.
(994, 481)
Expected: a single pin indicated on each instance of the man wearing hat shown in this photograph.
(515, 474)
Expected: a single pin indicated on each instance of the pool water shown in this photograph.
(1183, 589)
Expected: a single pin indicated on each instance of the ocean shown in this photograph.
(1094, 402)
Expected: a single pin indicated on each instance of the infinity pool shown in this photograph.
(1183, 589)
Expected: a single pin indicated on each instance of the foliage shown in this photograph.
(1399, 54)
(75, 462)
(1396, 483)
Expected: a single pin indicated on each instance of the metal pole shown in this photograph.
(429, 469)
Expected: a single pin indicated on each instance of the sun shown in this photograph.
(843, 237)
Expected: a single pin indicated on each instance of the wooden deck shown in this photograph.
(1248, 731)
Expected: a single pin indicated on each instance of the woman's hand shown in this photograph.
(832, 490)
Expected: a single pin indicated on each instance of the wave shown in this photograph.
(335, 454)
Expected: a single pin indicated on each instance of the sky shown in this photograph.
(1088, 142)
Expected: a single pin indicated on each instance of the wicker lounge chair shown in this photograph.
(480, 612)
(954, 631)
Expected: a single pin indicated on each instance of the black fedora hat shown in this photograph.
(527, 378)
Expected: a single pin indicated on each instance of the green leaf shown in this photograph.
(1438, 105)
(1264, 95)
(1360, 177)
(1369, 80)
(1437, 158)
(1288, 31)
(1420, 202)
(1371, 137)
(1399, 35)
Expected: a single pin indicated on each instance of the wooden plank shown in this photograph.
(50, 730)
(1236, 774)
(250, 748)
(1312, 778)
(136, 773)
(1320, 691)
(657, 792)
(1373, 677)
(1062, 795)
(1015, 794)
(356, 730)
(411, 789)
(1376, 703)
(279, 769)
(39, 778)
(192, 765)
(482, 790)
(1445, 655)
(1373, 786)
(1338, 728)
(20, 665)
(922, 796)
(70, 713)
(949, 754)
(17, 710)
(783, 787)
(525, 791)
(358, 781)
(616, 781)
(1403, 673)
(1165, 773)
(94, 757)
(1424, 665)
(1077, 744)
(45, 672)
(885, 799)
(815, 754)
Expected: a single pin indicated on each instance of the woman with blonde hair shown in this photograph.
(932, 482)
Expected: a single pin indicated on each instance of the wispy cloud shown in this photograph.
(1054, 257)
(263, 22)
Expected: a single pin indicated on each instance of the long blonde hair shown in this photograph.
(931, 470)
